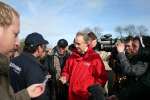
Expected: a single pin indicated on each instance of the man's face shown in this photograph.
(136, 46)
(9, 37)
(42, 51)
(62, 50)
(80, 44)
(92, 43)
(129, 47)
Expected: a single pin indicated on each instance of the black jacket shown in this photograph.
(26, 70)
(138, 72)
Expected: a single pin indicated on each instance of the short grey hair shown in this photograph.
(85, 36)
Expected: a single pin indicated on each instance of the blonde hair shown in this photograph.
(7, 14)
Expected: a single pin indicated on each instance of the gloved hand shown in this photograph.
(97, 92)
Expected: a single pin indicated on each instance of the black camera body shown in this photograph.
(106, 43)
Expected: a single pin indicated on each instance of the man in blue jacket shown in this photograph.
(26, 68)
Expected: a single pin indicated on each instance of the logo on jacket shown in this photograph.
(15, 68)
(87, 64)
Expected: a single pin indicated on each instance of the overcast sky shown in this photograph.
(57, 19)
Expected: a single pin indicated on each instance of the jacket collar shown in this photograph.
(4, 65)
(82, 56)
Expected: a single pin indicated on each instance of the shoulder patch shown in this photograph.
(16, 68)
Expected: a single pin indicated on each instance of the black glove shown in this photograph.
(97, 92)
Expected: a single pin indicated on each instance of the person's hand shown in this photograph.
(35, 90)
(112, 97)
(120, 47)
(63, 79)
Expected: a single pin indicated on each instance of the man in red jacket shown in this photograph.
(83, 69)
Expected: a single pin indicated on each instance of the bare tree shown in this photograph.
(142, 30)
(86, 30)
(119, 30)
(130, 30)
(98, 31)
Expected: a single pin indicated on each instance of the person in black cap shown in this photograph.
(35, 39)
(55, 62)
(60, 54)
(26, 68)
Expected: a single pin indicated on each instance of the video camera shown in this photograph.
(106, 43)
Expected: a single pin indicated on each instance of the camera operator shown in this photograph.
(136, 69)
(119, 79)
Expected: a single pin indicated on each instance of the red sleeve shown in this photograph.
(100, 73)
(65, 71)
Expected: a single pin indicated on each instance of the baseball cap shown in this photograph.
(62, 43)
(35, 39)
